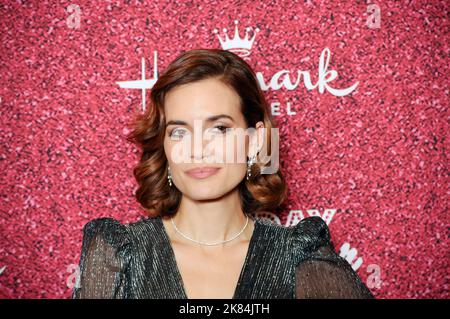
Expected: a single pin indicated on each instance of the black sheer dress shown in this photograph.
(136, 260)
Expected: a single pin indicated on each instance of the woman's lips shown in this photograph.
(202, 172)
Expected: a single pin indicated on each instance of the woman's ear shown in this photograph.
(256, 139)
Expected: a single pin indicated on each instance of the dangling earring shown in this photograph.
(169, 177)
(250, 163)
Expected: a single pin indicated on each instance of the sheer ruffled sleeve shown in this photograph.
(105, 255)
(320, 271)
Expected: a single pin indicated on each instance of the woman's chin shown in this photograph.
(205, 193)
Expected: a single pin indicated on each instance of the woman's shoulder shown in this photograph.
(310, 238)
(108, 228)
(305, 237)
(310, 229)
(118, 233)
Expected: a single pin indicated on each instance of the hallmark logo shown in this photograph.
(281, 79)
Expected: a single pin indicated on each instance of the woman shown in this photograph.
(201, 239)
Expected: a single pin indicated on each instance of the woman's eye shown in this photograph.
(176, 133)
(220, 129)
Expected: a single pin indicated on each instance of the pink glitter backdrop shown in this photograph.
(377, 157)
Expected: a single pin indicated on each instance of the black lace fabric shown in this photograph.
(103, 262)
(136, 260)
(321, 273)
(326, 275)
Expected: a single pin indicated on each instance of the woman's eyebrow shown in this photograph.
(209, 119)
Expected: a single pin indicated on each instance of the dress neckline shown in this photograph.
(174, 265)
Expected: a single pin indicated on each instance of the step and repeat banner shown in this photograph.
(359, 90)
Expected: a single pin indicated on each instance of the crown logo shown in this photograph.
(237, 45)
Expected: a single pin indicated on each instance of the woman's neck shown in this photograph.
(212, 220)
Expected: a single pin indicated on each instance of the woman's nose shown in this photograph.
(199, 148)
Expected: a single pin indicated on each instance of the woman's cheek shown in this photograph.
(236, 147)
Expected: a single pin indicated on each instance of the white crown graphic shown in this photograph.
(237, 45)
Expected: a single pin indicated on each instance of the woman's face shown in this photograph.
(197, 116)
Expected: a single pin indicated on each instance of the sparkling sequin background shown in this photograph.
(377, 157)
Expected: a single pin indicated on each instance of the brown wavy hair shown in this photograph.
(262, 192)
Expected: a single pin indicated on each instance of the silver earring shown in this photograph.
(169, 177)
(250, 163)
